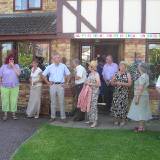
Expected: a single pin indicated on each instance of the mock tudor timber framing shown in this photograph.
(81, 19)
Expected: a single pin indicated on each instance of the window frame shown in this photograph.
(147, 47)
(28, 8)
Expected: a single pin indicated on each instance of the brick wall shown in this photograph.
(45, 98)
(131, 46)
(6, 7)
(63, 47)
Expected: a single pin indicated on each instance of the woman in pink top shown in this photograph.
(9, 73)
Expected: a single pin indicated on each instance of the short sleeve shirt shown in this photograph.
(80, 72)
(35, 76)
(9, 76)
(56, 72)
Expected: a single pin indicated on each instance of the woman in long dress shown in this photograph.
(122, 82)
(34, 103)
(94, 82)
(140, 108)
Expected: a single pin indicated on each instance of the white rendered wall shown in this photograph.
(153, 16)
(132, 16)
(69, 19)
(89, 11)
(110, 15)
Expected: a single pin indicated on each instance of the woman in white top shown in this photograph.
(34, 103)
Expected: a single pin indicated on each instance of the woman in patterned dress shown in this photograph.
(122, 82)
(93, 81)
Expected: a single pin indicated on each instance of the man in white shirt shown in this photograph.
(80, 78)
(57, 72)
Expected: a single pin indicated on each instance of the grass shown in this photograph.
(58, 143)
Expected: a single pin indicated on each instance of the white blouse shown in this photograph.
(35, 76)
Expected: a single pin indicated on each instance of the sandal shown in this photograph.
(5, 118)
(14, 117)
(93, 125)
(139, 129)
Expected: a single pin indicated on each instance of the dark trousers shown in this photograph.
(79, 116)
(108, 96)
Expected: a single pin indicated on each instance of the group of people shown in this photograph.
(116, 84)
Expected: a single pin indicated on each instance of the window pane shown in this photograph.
(20, 4)
(34, 3)
(28, 50)
(6, 48)
(86, 55)
(154, 60)
(42, 50)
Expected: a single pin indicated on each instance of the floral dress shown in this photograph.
(93, 113)
(119, 107)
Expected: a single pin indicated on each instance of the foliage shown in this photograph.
(58, 143)
(25, 73)
(25, 59)
(154, 56)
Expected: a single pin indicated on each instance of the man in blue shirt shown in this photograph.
(57, 72)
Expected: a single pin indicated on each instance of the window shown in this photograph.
(86, 55)
(154, 61)
(27, 4)
(5, 48)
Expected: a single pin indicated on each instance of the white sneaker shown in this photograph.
(36, 117)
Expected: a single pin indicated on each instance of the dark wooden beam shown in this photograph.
(82, 19)
(99, 16)
(26, 37)
(78, 16)
(59, 16)
(121, 15)
(143, 16)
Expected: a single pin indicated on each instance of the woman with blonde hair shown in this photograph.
(94, 82)
(121, 81)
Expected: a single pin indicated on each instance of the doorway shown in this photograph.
(108, 49)
(90, 49)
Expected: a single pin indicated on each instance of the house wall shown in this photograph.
(7, 7)
(132, 47)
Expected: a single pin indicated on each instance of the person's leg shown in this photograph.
(53, 101)
(93, 115)
(110, 96)
(107, 97)
(5, 101)
(32, 102)
(14, 92)
(38, 100)
(60, 93)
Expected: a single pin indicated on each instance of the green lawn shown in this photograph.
(58, 143)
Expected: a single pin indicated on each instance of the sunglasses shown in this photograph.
(11, 59)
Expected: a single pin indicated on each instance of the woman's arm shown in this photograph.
(98, 84)
(17, 70)
(113, 81)
(126, 84)
(139, 92)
